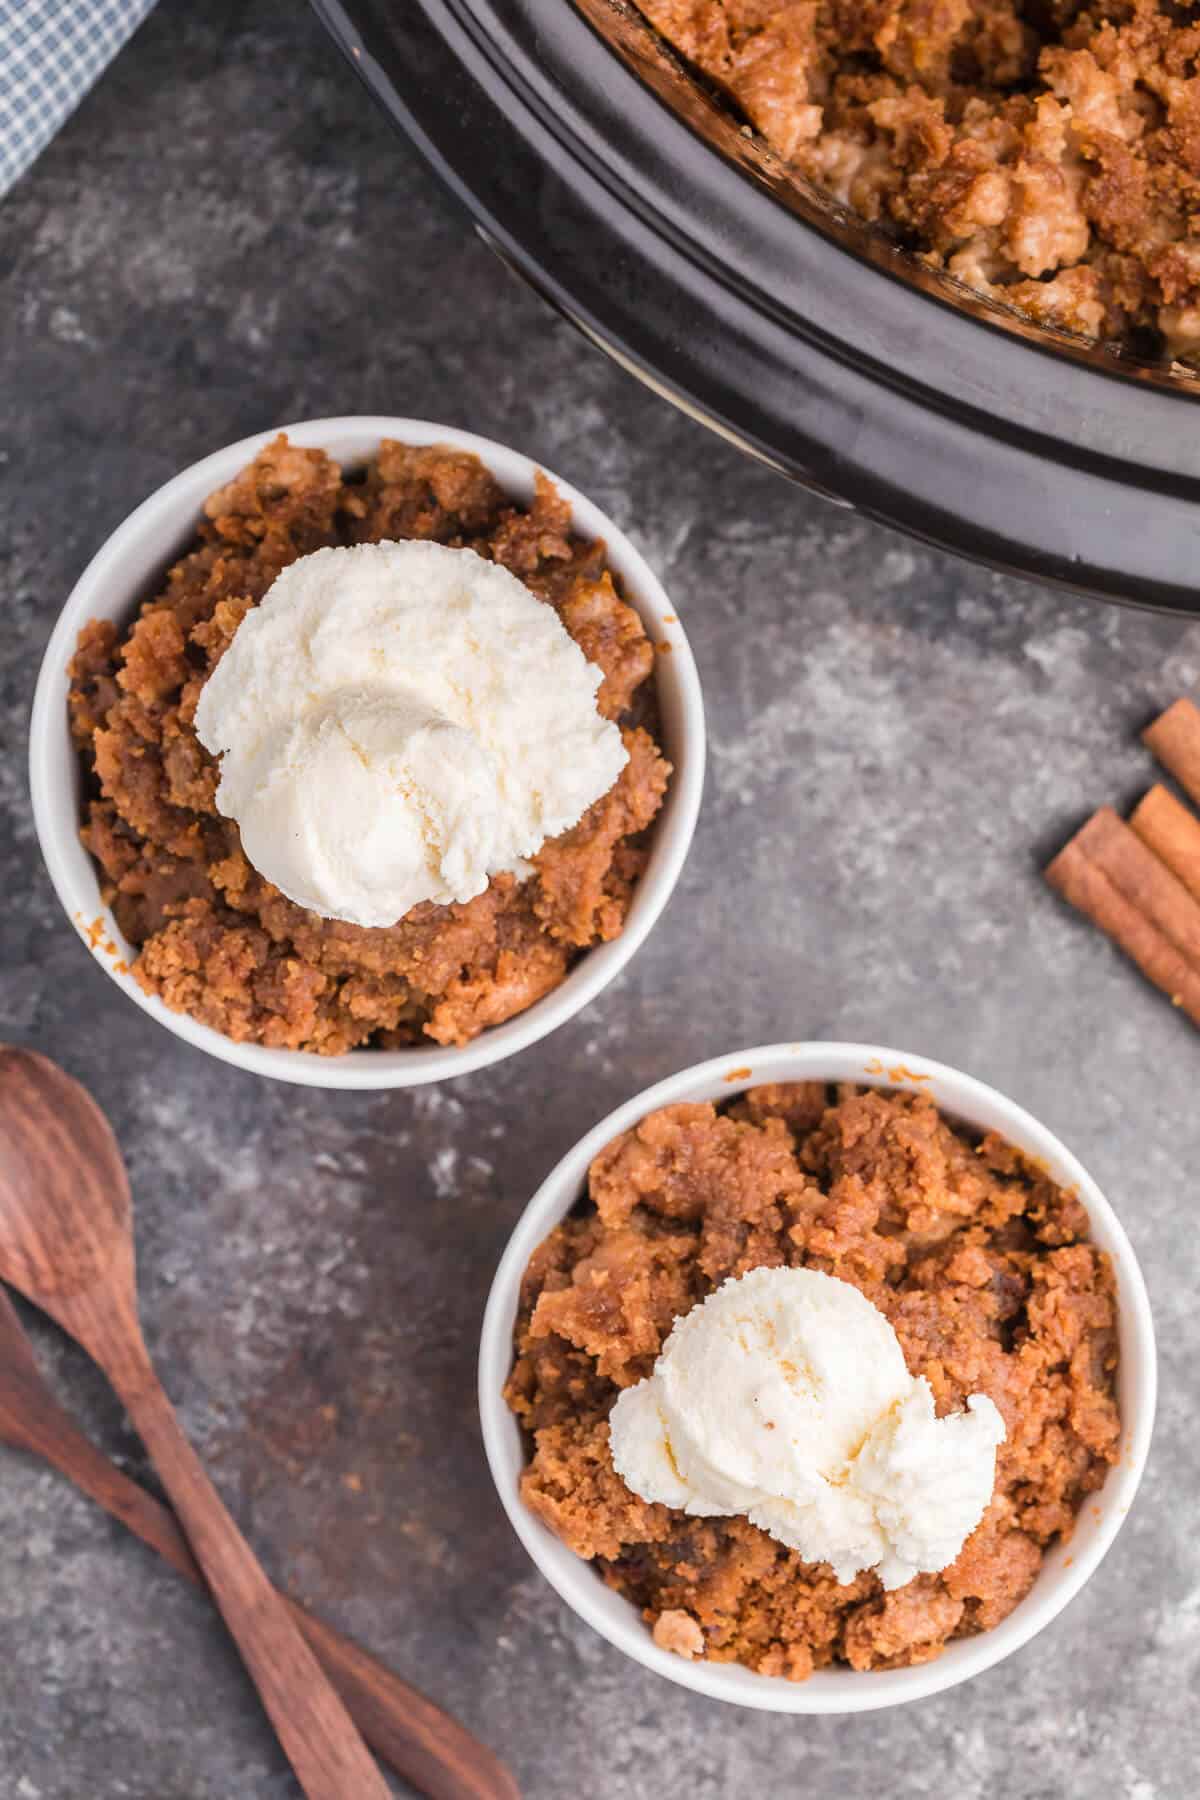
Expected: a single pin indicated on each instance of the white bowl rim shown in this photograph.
(351, 438)
(1066, 1569)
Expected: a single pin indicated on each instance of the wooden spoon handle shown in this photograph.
(431, 1750)
(317, 1734)
(31, 1419)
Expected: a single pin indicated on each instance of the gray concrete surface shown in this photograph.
(225, 237)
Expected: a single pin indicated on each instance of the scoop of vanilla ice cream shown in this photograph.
(398, 722)
(373, 797)
(774, 1378)
(785, 1396)
(929, 1480)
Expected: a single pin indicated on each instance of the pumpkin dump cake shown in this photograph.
(437, 727)
(987, 1330)
(1045, 152)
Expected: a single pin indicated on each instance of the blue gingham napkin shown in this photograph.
(51, 51)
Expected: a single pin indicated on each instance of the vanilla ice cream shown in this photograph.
(785, 1396)
(397, 722)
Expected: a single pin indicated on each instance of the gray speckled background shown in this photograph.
(226, 237)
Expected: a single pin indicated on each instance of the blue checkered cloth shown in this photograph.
(51, 51)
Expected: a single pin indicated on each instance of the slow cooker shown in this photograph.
(631, 198)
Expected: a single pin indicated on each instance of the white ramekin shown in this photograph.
(127, 570)
(1066, 1568)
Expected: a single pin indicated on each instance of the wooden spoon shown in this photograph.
(66, 1243)
(420, 1741)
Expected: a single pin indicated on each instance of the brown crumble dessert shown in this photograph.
(979, 1261)
(218, 941)
(1045, 152)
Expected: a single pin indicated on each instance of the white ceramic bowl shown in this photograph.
(126, 571)
(1066, 1568)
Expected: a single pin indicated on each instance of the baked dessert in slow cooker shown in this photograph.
(1045, 152)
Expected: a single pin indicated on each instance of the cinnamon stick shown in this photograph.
(1107, 872)
(1174, 738)
(1172, 831)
